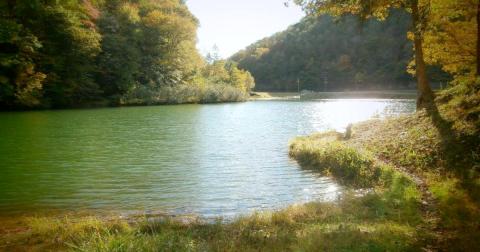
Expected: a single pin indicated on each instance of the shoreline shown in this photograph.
(309, 95)
(255, 96)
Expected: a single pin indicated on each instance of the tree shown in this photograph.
(87, 52)
(238, 78)
(119, 61)
(213, 55)
(451, 41)
(70, 79)
(478, 39)
(380, 9)
(451, 37)
(21, 83)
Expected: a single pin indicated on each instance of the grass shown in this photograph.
(410, 187)
(443, 161)
(352, 224)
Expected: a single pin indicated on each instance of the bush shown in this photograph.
(184, 93)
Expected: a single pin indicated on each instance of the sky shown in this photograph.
(232, 25)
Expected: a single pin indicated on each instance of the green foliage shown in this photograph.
(451, 35)
(462, 104)
(70, 73)
(216, 82)
(227, 73)
(49, 51)
(184, 93)
(20, 83)
(326, 53)
(85, 52)
(451, 41)
(149, 57)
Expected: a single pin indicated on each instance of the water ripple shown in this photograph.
(212, 160)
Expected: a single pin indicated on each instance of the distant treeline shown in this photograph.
(107, 52)
(334, 53)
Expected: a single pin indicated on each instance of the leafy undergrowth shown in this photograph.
(399, 162)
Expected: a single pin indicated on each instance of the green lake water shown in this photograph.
(210, 160)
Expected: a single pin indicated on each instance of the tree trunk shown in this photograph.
(478, 39)
(425, 94)
(11, 5)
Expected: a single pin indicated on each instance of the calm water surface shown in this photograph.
(211, 160)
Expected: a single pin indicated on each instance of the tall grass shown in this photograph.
(397, 194)
(352, 224)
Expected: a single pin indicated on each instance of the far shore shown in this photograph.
(380, 94)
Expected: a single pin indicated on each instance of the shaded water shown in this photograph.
(210, 160)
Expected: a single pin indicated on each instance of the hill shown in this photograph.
(334, 54)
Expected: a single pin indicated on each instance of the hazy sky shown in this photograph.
(234, 24)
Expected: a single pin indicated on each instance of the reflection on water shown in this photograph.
(212, 160)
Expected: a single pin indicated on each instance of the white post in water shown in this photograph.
(298, 85)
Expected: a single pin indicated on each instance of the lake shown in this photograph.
(208, 160)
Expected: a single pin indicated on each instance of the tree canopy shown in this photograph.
(87, 52)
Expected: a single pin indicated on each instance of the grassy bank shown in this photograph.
(366, 223)
(419, 190)
(440, 158)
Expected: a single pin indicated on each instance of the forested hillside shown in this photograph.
(107, 52)
(331, 54)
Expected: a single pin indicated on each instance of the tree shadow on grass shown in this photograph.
(459, 203)
(456, 148)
